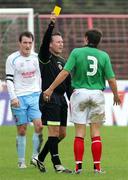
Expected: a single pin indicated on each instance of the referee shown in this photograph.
(54, 112)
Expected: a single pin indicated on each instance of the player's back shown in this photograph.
(90, 68)
(90, 58)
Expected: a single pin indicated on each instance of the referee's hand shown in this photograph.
(53, 17)
(47, 94)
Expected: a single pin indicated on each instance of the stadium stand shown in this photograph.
(71, 6)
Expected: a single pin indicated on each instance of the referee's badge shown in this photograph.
(60, 66)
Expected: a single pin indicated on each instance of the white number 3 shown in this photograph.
(92, 66)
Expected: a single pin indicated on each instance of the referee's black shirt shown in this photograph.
(51, 65)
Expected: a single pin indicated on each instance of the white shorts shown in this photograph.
(87, 106)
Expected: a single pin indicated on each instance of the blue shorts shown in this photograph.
(28, 110)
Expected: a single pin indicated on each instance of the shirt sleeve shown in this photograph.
(9, 79)
(44, 53)
(109, 73)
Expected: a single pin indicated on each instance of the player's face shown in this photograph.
(56, 45)
(25, 46)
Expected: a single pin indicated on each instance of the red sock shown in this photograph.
(96, 151)
(78, 151)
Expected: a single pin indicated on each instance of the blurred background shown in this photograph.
(76, 17)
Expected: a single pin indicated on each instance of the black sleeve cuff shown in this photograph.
(51, 23)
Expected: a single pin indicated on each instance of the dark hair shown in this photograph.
(26, 34)
(56, 34)
(94, 37)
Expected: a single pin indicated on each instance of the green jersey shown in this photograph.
(90, 68)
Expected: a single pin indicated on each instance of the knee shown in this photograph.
(22, 131)
(38, 126)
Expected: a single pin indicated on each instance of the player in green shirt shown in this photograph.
(90, 68)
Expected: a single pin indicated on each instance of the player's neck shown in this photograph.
(24, 54)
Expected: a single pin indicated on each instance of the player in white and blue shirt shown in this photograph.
(23, 82)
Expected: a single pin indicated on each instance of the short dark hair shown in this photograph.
(94, 37)
(56, 34)
(26, 34)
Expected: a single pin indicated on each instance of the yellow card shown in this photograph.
(57, 10)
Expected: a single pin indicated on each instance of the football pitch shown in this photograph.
(114, 158)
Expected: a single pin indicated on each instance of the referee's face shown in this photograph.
(25, 46)
(56, 45)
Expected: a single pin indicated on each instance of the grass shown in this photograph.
(114, 158)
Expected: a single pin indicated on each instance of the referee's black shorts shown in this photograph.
(54, 112)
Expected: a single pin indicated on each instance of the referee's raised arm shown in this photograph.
(44, 48)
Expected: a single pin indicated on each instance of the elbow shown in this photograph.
(111, 81)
